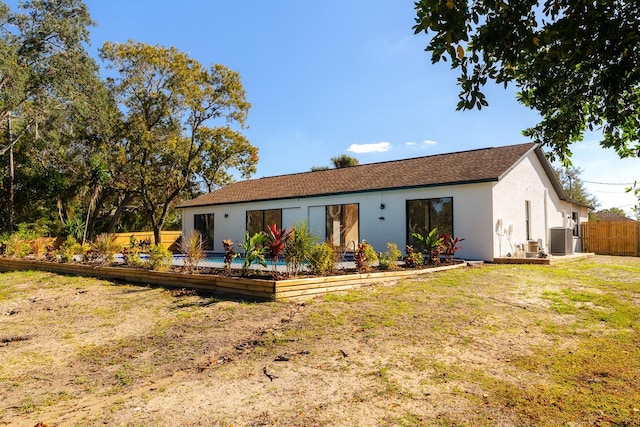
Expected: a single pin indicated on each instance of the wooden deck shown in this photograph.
(549, 260)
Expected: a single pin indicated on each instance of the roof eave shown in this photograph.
(372, 190)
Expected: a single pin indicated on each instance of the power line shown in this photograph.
(609, 183)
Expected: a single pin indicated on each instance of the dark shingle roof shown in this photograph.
(610, 216)
(483, 165)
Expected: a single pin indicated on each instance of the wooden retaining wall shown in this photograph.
(611, 237)
(261, 289)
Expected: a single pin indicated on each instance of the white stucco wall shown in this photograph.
(528, 181)
(471, 208)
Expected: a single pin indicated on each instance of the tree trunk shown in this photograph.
(10, 186)
(95, 214)
(157, 234)
(115, 218)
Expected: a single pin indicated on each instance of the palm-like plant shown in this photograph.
(298, 248)
(192, 246)
(254, 251)
(105, 246)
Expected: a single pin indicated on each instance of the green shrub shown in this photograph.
(159, 258)
(387, 260)
(74, 227)
(71, 247)
(322, 259)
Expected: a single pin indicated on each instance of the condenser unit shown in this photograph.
(561, 242)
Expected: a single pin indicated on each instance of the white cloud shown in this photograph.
(423, 144)
(379, 147)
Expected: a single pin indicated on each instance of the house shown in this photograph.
(495, 198)
(610, 216)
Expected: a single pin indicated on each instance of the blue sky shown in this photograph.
(332, 77)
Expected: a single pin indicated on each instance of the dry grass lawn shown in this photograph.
(485, 346)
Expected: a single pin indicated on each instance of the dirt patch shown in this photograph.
(453, 348)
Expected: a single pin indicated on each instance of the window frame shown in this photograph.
(430, 226)
(527, 219)
(265, 221)
(345, 236)
(207, 232)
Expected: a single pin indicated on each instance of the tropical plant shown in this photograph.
(322, 259)
(74, 227)
(105, 247)
(413, 259)
(254, 251)
(450, 245)
(430, 244)
(365, 256)
(131, 253)
(298, 248)
(39, 247)
(387, 260)
(17, 246)
(275, 243)
(192, 246)
(160, 258)
(69, 248)
(229, 254)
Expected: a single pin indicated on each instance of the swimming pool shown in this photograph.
(217, 260)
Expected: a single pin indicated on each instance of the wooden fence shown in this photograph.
(611, 237)
(169, 239)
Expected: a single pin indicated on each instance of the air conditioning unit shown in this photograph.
(561, 242)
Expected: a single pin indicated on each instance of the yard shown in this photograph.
(492, 345)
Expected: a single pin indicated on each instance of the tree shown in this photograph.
(573, 61)
(45, 75)
(571, 182)
(614, 211)
(344, 161)
(170, 104)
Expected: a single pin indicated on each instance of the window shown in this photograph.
(260, 220)
(576, 223)
(423, 215)
(342, 225)
(204, 224)
(527, 219)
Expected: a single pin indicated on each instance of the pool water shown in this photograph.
(217, 260)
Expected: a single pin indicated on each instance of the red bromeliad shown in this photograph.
(276, 241)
